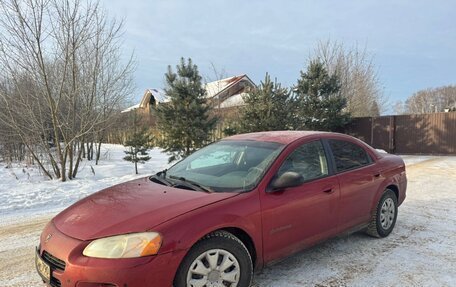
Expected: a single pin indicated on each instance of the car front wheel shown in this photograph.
(384, 219)
(218, 260)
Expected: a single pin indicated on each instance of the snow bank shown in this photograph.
(24, 191)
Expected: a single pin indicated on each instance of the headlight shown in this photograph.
(125, 246)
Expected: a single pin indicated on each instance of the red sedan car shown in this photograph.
(223, 212)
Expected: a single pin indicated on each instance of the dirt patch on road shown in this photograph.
(24, 228)
(17, 252)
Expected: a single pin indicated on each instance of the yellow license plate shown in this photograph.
(42, 267)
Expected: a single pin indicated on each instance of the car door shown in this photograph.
(296, 217)
(359, 181)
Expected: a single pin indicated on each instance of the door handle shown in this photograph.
(377, 175)
(329, 190)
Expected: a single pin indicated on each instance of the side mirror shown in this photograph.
(287, 179)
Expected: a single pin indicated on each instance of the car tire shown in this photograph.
(218, 256)
(384, 218)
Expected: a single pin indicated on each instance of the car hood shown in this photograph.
(134, 206)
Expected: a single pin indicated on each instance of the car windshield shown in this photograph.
(226, 165)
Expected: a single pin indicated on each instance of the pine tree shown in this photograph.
(231, 128)
(267, 108)
(184, 121)
(321, 107)
(137, 146)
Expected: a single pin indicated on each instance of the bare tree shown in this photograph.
(399, 108)
(64, 77)
(11, 148)
(360, 84)
(431, 100)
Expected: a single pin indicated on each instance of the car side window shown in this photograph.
(348, 155)
(309, 160)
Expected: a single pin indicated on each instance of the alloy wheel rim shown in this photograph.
(387, 213)
(214, 268)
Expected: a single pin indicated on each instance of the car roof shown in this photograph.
(283, 137)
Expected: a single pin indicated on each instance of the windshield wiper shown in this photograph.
(192, 184)
(161, 177)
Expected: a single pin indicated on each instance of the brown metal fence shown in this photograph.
(408, 134)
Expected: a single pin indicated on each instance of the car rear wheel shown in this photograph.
(384, 218)
(218, 260)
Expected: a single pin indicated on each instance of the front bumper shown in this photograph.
(69, 268)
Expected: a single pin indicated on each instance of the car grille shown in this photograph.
(54, 261)
(55, 282)
(56, 264)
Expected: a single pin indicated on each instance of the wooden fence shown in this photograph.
(408, 134)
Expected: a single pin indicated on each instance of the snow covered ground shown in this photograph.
(25, 192)
(412, 159)
(420, 251)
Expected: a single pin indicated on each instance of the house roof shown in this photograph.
(213, 89)
(216, 87)
(129, 109)
(158, 94)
